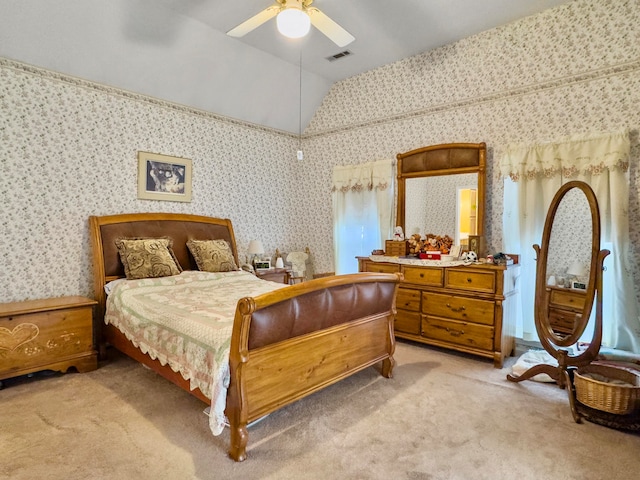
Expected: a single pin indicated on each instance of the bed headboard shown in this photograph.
(177, 226)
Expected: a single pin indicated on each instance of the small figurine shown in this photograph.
(470, 257)
(399, 234)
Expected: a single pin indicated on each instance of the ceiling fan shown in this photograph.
(302, 15)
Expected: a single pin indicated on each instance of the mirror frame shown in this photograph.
(548, 337)
(444, 159)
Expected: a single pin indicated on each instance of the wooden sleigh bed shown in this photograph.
(284, 345)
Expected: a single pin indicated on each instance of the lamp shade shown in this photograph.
(576, 269)
(255, 247)
(293, 22)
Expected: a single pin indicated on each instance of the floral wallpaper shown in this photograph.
(568, 70)
(69, 150)
(68, 147)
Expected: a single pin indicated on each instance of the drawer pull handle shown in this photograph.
(451, 331)
(455, 333)
(422, 275)
(461, 309)
(469, 280)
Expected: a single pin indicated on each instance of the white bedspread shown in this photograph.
(186, 321)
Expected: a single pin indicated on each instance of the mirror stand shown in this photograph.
(553, 338)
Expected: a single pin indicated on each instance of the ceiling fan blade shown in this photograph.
(331, 29)
(254, 22)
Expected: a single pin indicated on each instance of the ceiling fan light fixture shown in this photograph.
(293, 22)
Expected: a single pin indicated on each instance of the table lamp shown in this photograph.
(256, 249)
(577, 271)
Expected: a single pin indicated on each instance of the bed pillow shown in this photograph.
(212, 255)
(147, 257)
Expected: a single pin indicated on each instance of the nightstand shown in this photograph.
(280, 275)
(48, 334)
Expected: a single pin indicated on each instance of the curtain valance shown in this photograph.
(366, 176)
(586, 153)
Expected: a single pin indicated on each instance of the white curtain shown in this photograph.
(363, 197)
(536, 172)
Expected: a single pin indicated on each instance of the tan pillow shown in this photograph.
(147, 257)
(212, 255)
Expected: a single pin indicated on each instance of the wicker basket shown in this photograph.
(608, 397)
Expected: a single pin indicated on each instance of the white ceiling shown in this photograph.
(178, 50)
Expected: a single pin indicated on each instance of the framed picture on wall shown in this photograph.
(161, 177)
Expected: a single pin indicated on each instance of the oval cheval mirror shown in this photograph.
(568, 282)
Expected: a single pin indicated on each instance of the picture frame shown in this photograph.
(163, 177)
(476, 245)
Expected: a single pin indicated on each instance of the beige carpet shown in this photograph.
(442, 416)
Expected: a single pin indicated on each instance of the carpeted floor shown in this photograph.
(442, 416)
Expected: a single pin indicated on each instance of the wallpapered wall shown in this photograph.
(69, 147)
(69, 150)
(568, 70)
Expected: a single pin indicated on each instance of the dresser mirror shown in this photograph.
(441, 190)
(444, 204)
(562, 312)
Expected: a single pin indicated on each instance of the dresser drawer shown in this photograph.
(458, 333)
(562, 321)
(407, 322)
(571, 299)
(408, 299)
(381, 267)
(466, 279)
(424, 276)
(458, 308)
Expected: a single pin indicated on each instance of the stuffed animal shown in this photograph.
(469, 257)
(431, 243)
(436, 243)
(399, 234)
(415, 244)
(446, 243)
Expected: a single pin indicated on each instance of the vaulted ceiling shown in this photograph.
(178, 50)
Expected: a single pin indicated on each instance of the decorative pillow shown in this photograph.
(147, 257)
(212, 255)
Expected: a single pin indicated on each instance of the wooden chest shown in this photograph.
(50, 334)
(394, 248)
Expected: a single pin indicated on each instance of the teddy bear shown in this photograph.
(399, 234)
(415, 244)
(446, 243)
(431, 244)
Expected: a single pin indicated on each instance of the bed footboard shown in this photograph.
(295, 341)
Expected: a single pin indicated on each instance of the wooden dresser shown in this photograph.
(565, 308)
(466, 308)
(50, 334)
